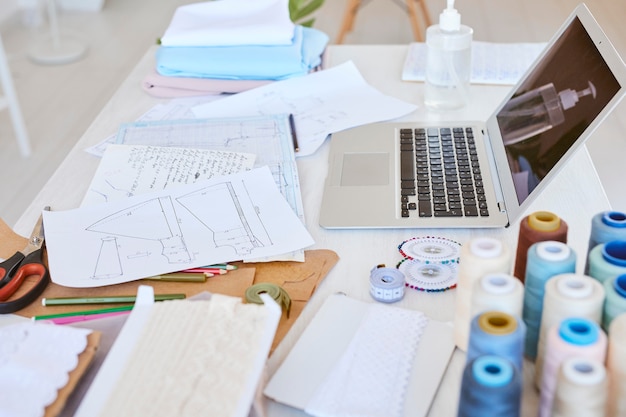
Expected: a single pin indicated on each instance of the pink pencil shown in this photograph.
(76, 319)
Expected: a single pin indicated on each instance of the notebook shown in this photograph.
(571, 87)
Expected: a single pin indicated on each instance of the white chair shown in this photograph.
(9, 100)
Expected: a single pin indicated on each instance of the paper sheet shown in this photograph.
(322, 103)
(492, 63)
(127, 170)
(233, 217)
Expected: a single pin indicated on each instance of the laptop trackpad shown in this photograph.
(359, 169)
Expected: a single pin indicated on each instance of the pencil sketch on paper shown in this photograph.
(234, 222)
(232, 218)
(236, 217)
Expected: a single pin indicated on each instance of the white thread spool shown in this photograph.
(499, 292)
(567, 295)
(481, 256)
(616, 367)
(581, 389)
(572, 337)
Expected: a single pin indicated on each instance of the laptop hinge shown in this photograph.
(497, 186)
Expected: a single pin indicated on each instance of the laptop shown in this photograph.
(478, 174)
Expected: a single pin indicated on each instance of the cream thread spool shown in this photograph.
(500, 292)
(567, 295)
(572, 337)
(581, 389)
(481, 256)
(616, 367)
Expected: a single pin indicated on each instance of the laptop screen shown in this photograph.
(555, 104)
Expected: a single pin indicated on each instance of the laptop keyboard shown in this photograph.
(440, 173)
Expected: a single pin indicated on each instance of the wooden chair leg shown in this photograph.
(348, 19)
(418, 30)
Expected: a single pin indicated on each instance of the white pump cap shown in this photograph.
(570, 97)
(450, 19)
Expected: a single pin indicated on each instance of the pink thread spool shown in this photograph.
(616, 367)
(572, 337)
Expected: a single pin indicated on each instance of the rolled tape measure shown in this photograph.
(431, 250)
(253, 295)
(428, 277)
(386, 284)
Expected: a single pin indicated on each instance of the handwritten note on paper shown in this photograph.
(492, 63)
(322, 103)
(127, 170)
(233, 217)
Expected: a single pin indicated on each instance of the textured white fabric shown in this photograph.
(193, 359)
(35, 361)
(371, 377)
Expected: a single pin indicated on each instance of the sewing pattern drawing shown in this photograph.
(235, 221)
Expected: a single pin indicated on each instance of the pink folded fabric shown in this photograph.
(169, 87)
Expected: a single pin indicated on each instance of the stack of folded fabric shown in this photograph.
(229, 46)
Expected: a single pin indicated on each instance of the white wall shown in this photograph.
(8, 9)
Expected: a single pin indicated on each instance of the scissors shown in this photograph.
(25, 263)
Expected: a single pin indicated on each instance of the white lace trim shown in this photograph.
(371, 378)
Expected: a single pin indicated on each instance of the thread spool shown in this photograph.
(479, 257)
(536, 227)
(567, 295)
(545, 260)
(499, 292)
(572, 337)
(607, 260)
(491, 386)
(616, 367)
(605, 227)
(581, 389)
(615, 302)
(497, 333)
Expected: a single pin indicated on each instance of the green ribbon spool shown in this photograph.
(253, 295)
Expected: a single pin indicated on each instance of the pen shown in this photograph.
(104, 300)
(294, 136)
(205, 270)
(84, 313)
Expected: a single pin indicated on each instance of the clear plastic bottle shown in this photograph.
(448, 61)
(537, 110)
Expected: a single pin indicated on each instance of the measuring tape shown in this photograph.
(253, 295)
(386, 284)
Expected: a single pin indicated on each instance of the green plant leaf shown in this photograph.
(299, 9)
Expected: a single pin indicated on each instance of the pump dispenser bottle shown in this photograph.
(538, 110)
(448, 61)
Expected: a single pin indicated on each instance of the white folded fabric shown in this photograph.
(230, 22)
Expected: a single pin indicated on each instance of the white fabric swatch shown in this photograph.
(371, 377)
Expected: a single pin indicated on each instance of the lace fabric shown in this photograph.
(371, 378)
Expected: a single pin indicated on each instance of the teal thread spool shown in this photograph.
(545, 260)
(605, 227)
(608, 260)
(615, 301)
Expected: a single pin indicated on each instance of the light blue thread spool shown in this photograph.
(545, 260)
(605, 227)
(608, 260)
(497, 333)
(491, 386)
(615, 301)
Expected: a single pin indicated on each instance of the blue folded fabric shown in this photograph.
(253, 62)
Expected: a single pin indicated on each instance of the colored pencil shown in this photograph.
(126, 299)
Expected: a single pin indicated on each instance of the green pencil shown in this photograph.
(66, 301)
(84, 313)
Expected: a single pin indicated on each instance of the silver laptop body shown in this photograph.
(571, 87)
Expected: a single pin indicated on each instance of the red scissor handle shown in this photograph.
(22, 273)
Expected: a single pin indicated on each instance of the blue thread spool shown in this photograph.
(545, 260)
(608, 260)
(491, 386)
(497, 333)
(615, 301)
(605, 227)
